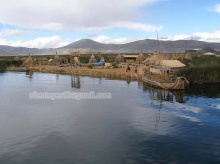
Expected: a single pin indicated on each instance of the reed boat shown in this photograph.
(164, 75)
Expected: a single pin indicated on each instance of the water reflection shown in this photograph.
(57, 77)
(206, 90)
(158, 96)
(157, 109)
(100, 80)
(128, 81)
(75, 82)
(140, 84)
(96, 131)
(164, 95)
(30, 75)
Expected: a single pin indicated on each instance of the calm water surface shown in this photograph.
(138, 125)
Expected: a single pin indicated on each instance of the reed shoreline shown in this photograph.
(118, 73)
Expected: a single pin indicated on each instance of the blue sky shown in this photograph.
(55, 23)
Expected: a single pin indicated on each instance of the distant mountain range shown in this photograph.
(90, 46)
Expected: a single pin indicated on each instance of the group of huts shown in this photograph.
(121, 58)
(125, 58)
(31, 62)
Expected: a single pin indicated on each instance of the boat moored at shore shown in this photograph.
(164, 75)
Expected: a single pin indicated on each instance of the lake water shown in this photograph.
(137, 125)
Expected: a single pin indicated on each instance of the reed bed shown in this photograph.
(202, 70)
(6, 63)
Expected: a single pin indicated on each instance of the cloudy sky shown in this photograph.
(55, 23)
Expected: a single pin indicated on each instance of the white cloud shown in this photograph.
(57, 41)
(139, 26)
(75, 14)
(108, 40)
(205, 36)
(193, 119)
(10, 32)
(216, 8)
(41, 42)
(53, 26)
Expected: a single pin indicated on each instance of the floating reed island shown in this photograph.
(119, 73)
(96, 66)
(200, 68)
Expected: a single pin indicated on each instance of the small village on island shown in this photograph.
(162, 70)
(110, 82)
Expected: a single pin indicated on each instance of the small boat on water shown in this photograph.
(164, 75)
(161, 71)
(159, 95)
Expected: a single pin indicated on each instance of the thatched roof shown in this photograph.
(172, 63)
(157, 58)
(130, 56)
(119, 59)
(92, 59)
(154, 58)
(57, 60)
(29, 62)
(140, 58)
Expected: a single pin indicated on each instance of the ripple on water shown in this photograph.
(129, 128)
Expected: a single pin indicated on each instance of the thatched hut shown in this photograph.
(130, 59)
(29, 62)
(92, 59)
(57, 60)
(119, 59)
(140, 58)
(155, 59)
